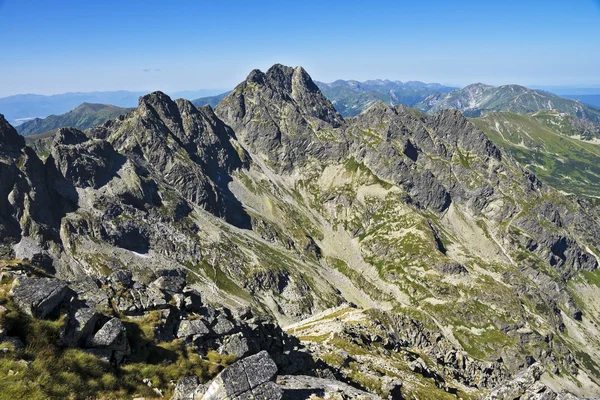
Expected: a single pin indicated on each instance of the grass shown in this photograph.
(566, 163)
(46, 370)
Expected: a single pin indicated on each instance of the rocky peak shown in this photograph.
(165, 108)
(69, 136)
(10, 141)
(269, 111)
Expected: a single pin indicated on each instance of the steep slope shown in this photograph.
(561, 150)
(351, 98)
(479, 99)
(463, 266)
(84, 116)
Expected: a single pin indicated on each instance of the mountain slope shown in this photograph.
(552, 145)
(463, 268)
(479, 99)
(84, 116)
(351, 98)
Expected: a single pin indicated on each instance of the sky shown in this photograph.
(50, 47)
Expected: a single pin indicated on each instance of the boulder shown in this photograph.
(236, 345)
(526, 385)
(192, 328)
(39, 297)
(165, 330)
(88, 290)
(112, 336)
(248, 378)
(80, 326)
(122, 277)
(188, 388)
(223, 326)
(171, 281)
(192, 300)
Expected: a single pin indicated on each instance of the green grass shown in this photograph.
(566, 163)
(46, 370)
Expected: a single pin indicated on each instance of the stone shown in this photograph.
(188, 388)
(526, 385)
(267, 390)
(223, 326)
(122, 277)
(112, 336)
(192, 328)
(172, 282)
(80, 326)
(88, 290)
(236, 345)
(39, 297)
(192, 300)
(242, 378)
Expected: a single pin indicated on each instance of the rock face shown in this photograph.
(39, 297)
(275, 202)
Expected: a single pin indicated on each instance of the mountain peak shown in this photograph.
(268, 109)
(10, 140)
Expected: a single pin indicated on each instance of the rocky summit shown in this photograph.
(269, 248)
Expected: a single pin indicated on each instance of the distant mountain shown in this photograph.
(479, 99)
(22, 107)
(351, 97)
(84, 116)
(589, 99)
(210, 100)
(563, 151)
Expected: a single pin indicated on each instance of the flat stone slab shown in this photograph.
(248, 378)
(39, 297)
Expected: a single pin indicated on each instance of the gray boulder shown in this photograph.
(195, 328)
(88, 290)
(112, 336)
(170, 283)
(122, 277)
(223, 326)
(80, 326)
(236, 345)
(188, 388)
(248, 378)
(39, 297)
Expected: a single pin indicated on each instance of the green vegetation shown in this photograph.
(44, 369)
(85, 116)
(547, 149)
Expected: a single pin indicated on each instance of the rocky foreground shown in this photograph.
(404, 255)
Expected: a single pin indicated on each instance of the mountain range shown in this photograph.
(478, 99)
(403, 253)
(23, 107)
(351, 97)
(84, 116)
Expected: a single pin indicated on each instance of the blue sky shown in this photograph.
(58, 46)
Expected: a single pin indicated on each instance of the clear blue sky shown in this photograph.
(59, 46)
